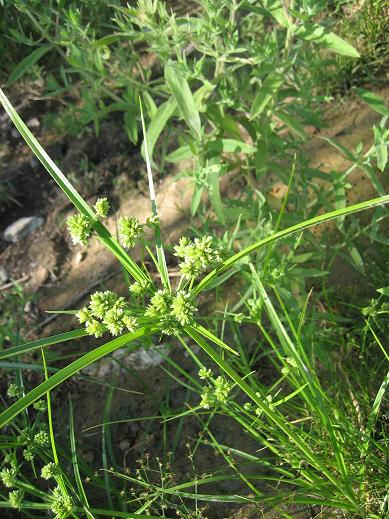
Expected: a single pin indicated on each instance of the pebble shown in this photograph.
(4, 276)
(21, 228)
(124, 445)
(27, 307)
(33, 122)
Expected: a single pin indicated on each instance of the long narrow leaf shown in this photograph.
(43, 343)
(363, 206)
(103, 234)
(9, 414)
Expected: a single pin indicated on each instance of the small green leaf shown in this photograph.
(27, 63)
(293, 124)
(373, 100)
(181, 153)
(384, 291)
(268, 90)
(198, 191)
(157, 124)
(322, 36)
(214, 193)
(229, 146)
(131, 126)
(381, 150)
(183, 95)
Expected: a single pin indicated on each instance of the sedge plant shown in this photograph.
(301, 470)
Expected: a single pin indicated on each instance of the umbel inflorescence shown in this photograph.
(169, 310)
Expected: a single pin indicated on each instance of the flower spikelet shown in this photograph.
(8, 477)
(80, 228)
(102, 207)
(15, 498)
(94, 327)
(61, 504)
(182, 307)
(129, 230)
(139, 288)
(101, 302)
(49, 471)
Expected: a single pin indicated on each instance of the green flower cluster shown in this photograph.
(106, 311)
(13, 391)
(8, 476)
(171, 311)
(198, 255)
(80, 228)
(102, 207)
(61, 504)
(49, 471)
(130, 230)
(33, 441)
(140, 288)
(217, 394)
(15, 498)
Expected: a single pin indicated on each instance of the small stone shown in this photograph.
(27, 307)
(4, 276)
(33, 122)
(124, 445)
(22, 228)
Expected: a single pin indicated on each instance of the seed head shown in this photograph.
(61, 504)
(84, 315)
(130, 322)
(198, 255)
(102, 207)
(40, 405)
(15, 498)
(13, 391)
(139, 288)
(80, 228)
(41, 439)
(182, 308)
(129, 231)
(94, 327)
(8, 477)
(49, 471)
(101, 302)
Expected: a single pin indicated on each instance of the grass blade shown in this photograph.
(160, 252)
(363, 206)
(103, 234)
(9, 414)
(43, 343)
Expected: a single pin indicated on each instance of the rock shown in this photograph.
(4, 276)
(124, 445)
(33, 122)
(28, 307)
(140, 360)
(145, 358)
(22, 228)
